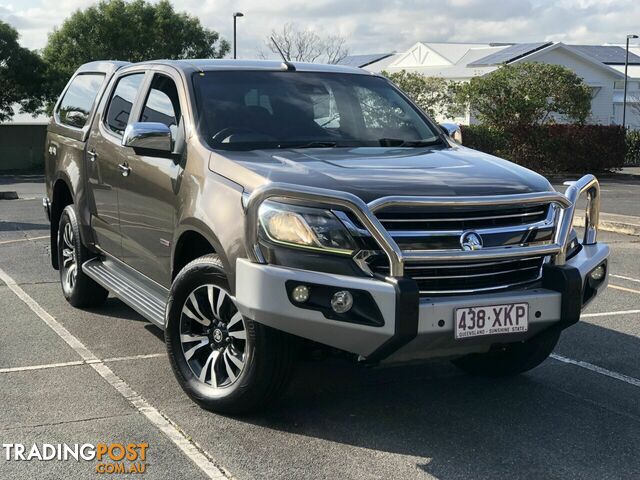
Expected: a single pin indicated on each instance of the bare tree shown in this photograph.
(335, 48)
(305, 45)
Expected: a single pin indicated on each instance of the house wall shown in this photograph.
(22, 147)
(602, 104)
(633, 103)
(420, 55)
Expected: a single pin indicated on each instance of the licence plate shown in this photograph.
(491, 320)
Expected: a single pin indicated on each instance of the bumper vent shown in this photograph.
(434, 279)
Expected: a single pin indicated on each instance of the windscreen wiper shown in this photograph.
(318, 144)
(398, 142)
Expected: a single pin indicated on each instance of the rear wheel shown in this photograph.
(223, 361)
(78, 288)
(512, 359)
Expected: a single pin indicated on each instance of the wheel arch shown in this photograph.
(193, 240)
(62, 195)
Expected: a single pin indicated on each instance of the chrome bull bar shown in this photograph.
(365, 213)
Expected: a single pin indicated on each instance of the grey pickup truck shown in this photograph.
(257, 210)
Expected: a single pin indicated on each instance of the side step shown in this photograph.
(143, 295)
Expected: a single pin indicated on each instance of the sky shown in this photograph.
(375, 26)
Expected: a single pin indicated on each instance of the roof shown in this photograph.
(454, 51)
(609, 54)
(382, 64)
(510, 54)
(460, 70)
(105, 66)
(363, 60)
(633, 71)
(197, 64)
(572, 50)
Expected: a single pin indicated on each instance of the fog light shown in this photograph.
(301, 293)
(597, 273)
(342, 301)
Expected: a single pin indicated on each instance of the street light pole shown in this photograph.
(240, 14)
(626, 66)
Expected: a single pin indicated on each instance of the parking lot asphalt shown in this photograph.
(620, 195)
(576, 416)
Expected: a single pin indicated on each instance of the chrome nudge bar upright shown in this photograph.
(590, 185)
(397, 257)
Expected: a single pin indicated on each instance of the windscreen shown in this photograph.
(245, 110)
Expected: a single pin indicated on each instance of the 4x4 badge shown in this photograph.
(470, 240)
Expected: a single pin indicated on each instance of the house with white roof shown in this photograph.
(601, 67)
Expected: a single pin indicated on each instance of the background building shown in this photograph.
(601, 67)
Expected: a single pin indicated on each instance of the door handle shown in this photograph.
(124, 169)
(92, 155)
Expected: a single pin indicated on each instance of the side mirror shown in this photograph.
(453, 131)
(148, 135)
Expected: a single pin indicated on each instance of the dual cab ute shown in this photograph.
(254, 209)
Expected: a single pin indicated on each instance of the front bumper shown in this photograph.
(412, 327)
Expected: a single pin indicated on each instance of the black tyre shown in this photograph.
(79, 290)
(511, 359)
(223, 361)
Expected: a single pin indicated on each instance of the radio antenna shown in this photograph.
(286, 63)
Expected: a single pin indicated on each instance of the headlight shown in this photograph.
(311, 228)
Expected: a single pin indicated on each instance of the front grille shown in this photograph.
(465, 277)
(422, 219)
(429, 229)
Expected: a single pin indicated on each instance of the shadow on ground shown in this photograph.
(11, 179)
(21, 226)
(545, 424)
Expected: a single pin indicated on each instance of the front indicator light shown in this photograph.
(597, 273)
(300, 293)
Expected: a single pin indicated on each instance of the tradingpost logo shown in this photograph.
(120, 458)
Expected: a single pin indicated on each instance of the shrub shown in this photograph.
(526, 94)
(553, 148)
(633, 148)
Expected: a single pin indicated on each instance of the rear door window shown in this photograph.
(75, 106)
(121, 102)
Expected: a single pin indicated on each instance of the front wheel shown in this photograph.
(512, 359)
(223, 361)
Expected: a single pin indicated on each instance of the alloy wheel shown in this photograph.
(213, 336)
(69, 259)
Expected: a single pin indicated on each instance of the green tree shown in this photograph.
(527, 94)
(132, 31)
(434, 95)
(21, 75)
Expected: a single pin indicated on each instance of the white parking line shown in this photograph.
(624, 289)
(134, 357)
(602, 371)
(607, 314)
(5, 242)
(631, 279)
(190, 448)
(41, 367)
(79, 362)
